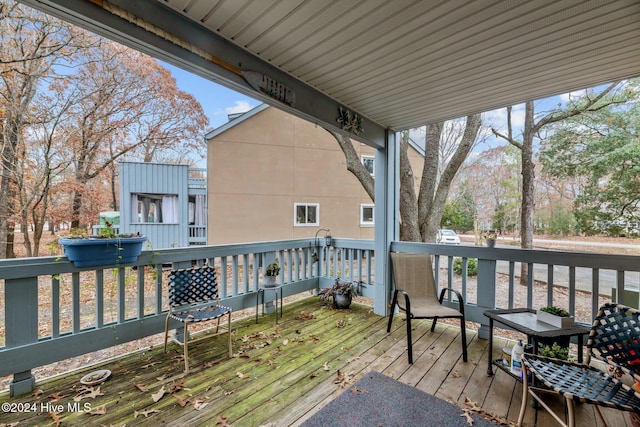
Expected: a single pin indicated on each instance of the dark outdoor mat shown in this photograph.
(377, 400)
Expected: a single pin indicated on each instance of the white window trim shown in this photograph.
(364, 223)
(295, 211)
(366, 156)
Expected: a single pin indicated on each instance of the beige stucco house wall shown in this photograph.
(264, 162)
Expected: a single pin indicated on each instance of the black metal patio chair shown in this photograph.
(614, 340)
(414, 280)
(193, 297)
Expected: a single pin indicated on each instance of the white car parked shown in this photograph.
(448, 237)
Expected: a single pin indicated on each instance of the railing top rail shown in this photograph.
(534, 256)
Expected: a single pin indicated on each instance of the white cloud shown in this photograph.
(239, 107)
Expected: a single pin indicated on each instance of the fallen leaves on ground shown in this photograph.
(241, 375)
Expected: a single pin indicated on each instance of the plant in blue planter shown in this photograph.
(107, 248)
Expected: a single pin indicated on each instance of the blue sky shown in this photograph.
(217, 101)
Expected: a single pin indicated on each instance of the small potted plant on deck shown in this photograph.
(270, 275)
(106, 248)
(490, 238)
(341, 293)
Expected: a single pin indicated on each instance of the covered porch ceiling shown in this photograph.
(396, 64)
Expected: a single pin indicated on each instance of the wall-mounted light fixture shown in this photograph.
(327, 237)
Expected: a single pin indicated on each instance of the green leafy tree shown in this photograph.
(602, 149)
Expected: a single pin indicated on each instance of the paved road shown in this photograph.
(583, 275)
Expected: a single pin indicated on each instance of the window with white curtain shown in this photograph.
(154, 208)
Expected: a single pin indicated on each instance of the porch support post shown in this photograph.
(21, 309)
(486, 292)
(386, 219)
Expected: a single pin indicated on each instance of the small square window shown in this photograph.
(306, 214)
(368, 162)
(366, 215)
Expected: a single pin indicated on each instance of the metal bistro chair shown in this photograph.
(193, 297)
(615, 340)
(413, 278)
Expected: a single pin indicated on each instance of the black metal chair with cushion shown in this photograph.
(413, 278)
(614, 340)
(193, 297)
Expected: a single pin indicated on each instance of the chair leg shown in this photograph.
(433, 324)
(604, 423)
(186, 348)
(218, 325)
(571, 416)
(166, 333)
(392, 310)
(229, 334)
(463, 333)
(525, 395)
(409, 341)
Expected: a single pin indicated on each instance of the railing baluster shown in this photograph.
(55, 306)
(75, 303)
(572, 290)
(140, 295)
(99, 299)
(512, 275)
(550, 284)
(122, 296)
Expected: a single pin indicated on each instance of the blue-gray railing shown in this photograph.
(120, 308)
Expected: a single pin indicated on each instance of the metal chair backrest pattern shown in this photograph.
(193, 285)
(615, 338)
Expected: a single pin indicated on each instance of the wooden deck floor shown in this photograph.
(282, 375)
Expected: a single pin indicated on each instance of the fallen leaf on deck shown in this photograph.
(341, 323)
(357, 390)
(90, 393)
(270, 362)
(55, 416)
(326, 367)
(140, 387)
(176, 386)
(182, 402)
(37, 392)
(285, 342)
(221, 420)
(455, 374)
(146, 413)
(241, 375)
(199, 404)
(56, 396)
(158, 395)
(101, 410)
(468, 417)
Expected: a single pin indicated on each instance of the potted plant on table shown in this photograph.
(270, 275)
(341, 293)
(106, 248)
(555, 316)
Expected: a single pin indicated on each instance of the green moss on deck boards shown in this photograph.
(275, 366)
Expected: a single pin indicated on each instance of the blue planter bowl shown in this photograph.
(91, 252)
